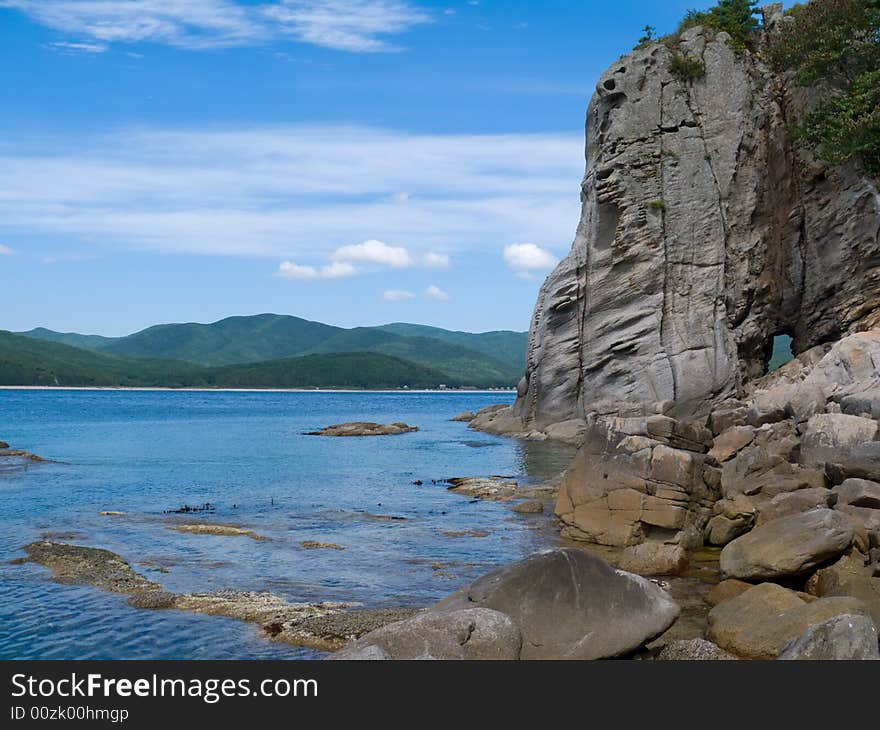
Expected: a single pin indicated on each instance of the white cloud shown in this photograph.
(375, 252)
(75, 49)
(435, 292)
(348, 25)
(335, 270)
(5, 250)
(434, 260)
(345, 25)
(398, 295)
(338, 270)
(527, 257)
(293, 193)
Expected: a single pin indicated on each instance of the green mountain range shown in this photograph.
(266, 350)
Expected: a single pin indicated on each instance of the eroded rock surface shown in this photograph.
(703, 233)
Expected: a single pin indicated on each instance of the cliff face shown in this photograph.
(703, 234)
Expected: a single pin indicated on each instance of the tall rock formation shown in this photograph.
(703, 234)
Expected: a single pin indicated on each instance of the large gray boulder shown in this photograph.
(469, 633)
(844, 637)
(570, 604)
(788, 546)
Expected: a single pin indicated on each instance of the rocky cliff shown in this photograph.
(703, 234)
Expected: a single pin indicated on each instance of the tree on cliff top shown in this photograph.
(735, 17)
(835, 45)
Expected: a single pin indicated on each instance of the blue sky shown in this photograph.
(350, 161)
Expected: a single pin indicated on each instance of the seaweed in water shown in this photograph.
(186, 509)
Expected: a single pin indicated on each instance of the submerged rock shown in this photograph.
(493, 488)
(323, 626)
(83, 565)
(569, 604)
(218, 530)
(359, 428)
(316, 545)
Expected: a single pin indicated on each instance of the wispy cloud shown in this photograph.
(435, 292)
(295, 193)
(76, 49)
(398, 295)
(345, 25)
(5, 250)
(525, 258)
(359, 26)
(434, 260)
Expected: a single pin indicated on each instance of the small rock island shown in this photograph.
(360, 428)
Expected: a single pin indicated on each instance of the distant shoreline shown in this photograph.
(457, 391)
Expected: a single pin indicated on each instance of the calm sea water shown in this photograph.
(143, 453)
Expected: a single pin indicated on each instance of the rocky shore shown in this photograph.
(323, 626)
(784, 480)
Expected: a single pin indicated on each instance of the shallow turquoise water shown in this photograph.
(143, 453)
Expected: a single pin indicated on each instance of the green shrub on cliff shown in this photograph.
(685, 67)
(735, 17)
(835, 44)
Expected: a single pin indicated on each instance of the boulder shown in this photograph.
(693, 650)
(760, 623)
(829, 434)
(498, 419)
(465, 417)
(762, 469)
(469, 633)
(730, 519)
(570, 604)
(791, 503)
(789, 546)
(727, 589)
(861, 462)
(867, 518)
(845, 637)
(858, 493)
(652, 558)
(731, 441)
